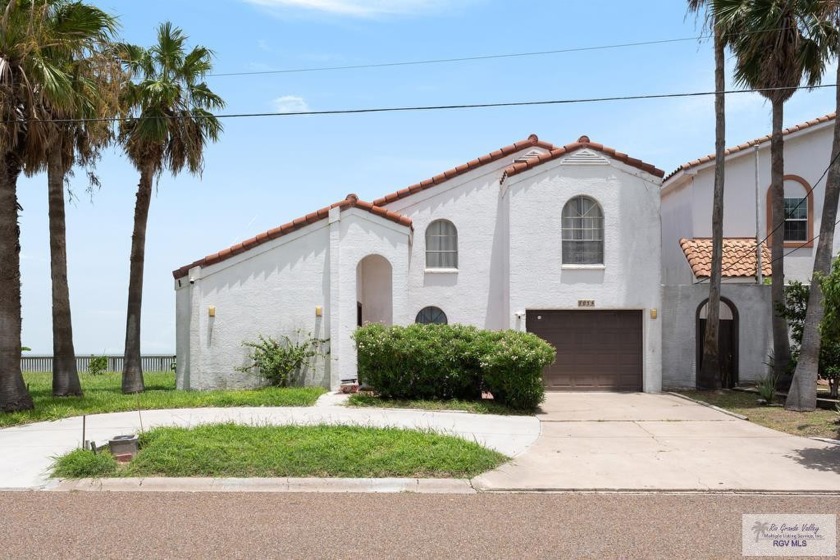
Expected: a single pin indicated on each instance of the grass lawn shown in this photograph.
(820, 423)
(230, 450)
(102, 394)
(477, 407)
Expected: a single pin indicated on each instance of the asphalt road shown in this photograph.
(36, 525)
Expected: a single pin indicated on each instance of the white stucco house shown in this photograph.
(562, 241)
(746, 340)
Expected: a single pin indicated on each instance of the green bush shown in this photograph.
(513, 366)
(97, 365)
(280, 361)
(443, 362)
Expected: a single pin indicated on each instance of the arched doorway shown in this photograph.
(374, 296)
(727, 340)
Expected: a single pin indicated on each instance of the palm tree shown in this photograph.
(774, 55)
(709, 376)
(167, 127)
(75, 136)
(803, 390)
(37, 37)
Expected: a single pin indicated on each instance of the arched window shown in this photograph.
(431, 315)
(798, 228)
(441, 245)
(583, 232)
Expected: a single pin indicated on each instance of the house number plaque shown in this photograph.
(586, 303)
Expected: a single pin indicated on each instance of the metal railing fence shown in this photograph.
(152, 362)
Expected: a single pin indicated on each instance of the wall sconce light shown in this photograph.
(319, 311)
(653, 313)
(211, 311)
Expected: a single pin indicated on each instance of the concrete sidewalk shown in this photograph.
(27, 451)
(637, 442)
(579, 442)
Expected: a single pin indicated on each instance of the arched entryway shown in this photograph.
(727, 340)
(374, 295)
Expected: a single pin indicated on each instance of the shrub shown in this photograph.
(513, 368)
(97, 365)
(452, 362)
(419, 361)
(279, 362)
(767, 387)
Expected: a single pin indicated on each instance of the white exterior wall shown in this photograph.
(362, 234)
(274, 290)
(630, 276)
(677, 223)
(807, 155)
(476, 293)
(271, 290)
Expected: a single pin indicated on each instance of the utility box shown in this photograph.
(123, 448)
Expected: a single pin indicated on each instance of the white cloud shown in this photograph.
(290, 104)
(362, 8)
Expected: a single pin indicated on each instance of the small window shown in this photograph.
(441, 245)
(796, 219)
(583, 232)
(431, 315)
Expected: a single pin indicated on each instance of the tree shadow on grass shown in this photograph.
(825, 459)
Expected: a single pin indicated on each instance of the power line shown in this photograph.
(445, 107)
(468, 58)
(458, 59)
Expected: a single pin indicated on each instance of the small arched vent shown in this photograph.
(528, 156)
(585, 157)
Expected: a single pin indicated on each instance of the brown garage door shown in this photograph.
(596, 350)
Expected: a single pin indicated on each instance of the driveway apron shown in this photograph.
(637, 441)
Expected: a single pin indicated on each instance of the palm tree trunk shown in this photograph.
(710, 377)
(132, 378)
(65, 376)
(13, 392)
(781, 342)
(803, 390)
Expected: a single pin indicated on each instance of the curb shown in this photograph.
(268, 485)
(713, 407)
(671, 491)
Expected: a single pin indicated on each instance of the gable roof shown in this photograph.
(741, 147)
(739, 259)
(583, 143)
(532, 141)
(352, 201)
(376, 207)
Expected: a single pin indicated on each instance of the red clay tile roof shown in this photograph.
(741, 147)
(738, 257)
(530, 142)
(582, 143)
(352, 201)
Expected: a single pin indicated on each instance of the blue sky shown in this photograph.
(269, 170)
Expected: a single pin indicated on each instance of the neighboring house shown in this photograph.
(746, 343)
(560, 241)
(687, 199)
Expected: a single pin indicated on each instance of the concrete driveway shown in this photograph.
(608, 441)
